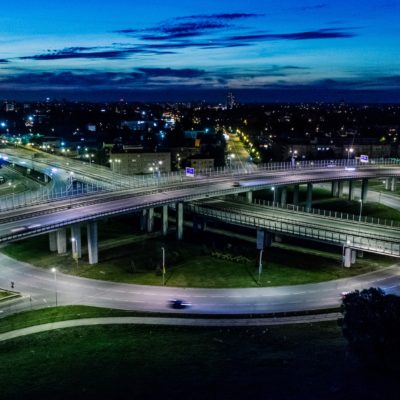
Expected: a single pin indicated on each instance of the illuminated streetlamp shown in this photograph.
(163, 265)
(361, 204)
(54, 270)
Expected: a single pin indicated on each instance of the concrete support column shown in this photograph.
(76, 241)
(309, 196)
(53, 241)
(347, 257)
(179, 221)
(45, 178)
(249, 196)
(284, 196)
(150, 219)
(93, 245)
(62, 241)
(351, 190)
(333, 188)
(296, 189)
(387, 183)
(353, 256)
(393, 185)
(277, 195)
(364, 189)
(143, 220)
(164, 220)
(340, 189)
(268, 239)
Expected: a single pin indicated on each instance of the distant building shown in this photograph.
(133, 162)
(201, 163)
(230, 101)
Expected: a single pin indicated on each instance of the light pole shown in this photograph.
(260, 266)
(163, 265)
(273, 191)
(75, 251)
(54, 270)
(361, 204)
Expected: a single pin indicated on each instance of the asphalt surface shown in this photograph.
(39, 289)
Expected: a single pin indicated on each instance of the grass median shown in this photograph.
(206, 260)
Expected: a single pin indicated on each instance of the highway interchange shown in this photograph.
(39, 289)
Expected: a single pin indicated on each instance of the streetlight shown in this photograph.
(273, 191)
(260, 266)
(361, 204)
(75, 251)
(163, 265)
(54, 270)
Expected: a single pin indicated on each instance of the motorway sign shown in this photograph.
(189, 171)
(363, 158)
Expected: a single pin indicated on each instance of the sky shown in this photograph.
(143, 50)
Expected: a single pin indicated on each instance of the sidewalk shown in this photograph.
(169, 322)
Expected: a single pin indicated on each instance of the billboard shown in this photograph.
(189, 171)
(363, 158)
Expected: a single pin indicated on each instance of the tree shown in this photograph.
(371, 325)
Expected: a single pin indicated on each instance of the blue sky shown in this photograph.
(158, 50)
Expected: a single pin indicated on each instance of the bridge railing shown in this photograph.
(360, 240)
(325, 213)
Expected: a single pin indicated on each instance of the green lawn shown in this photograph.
(194, 265)
(148, 362)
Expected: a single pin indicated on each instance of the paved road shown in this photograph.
(39, 288)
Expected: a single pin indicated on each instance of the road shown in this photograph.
(39, 288)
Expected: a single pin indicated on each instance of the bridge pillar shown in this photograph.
(340, 189)
(284, 196)
(53, 241)
(309, 196)
(93, 245)
(393, 185)
(351, 190)
(143, 220)
(347, 257)
(164, 220)
(179, 221)
(76, 241)
(45, 178)
(353, 256)
(150, 219)
(334, 188)
(387, 183)
(249, 196)
(296, 189)
(62, 241)
(277, 195)
(364, 189)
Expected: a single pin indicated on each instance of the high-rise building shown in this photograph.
(230, 101)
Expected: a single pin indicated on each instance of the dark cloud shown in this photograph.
(331, 33)
(3, 61)
(91, 53)
(222, 16)
(178, 73)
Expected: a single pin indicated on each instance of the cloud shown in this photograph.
(329, 33)
(178, 73)
(4, 61)
(92, 53)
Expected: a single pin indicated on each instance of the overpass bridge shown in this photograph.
(57, 211)
(350, 232)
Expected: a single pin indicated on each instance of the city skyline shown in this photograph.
(313, 51)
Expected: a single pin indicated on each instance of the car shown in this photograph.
(236, 184)
(178, 304)
(350, 168)
(19, 229)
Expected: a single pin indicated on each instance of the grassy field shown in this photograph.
(55, 314)
(120, 362)
(194, 265)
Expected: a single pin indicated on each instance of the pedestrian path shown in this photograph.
(200, 322)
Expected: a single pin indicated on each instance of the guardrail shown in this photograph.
(360, 240)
